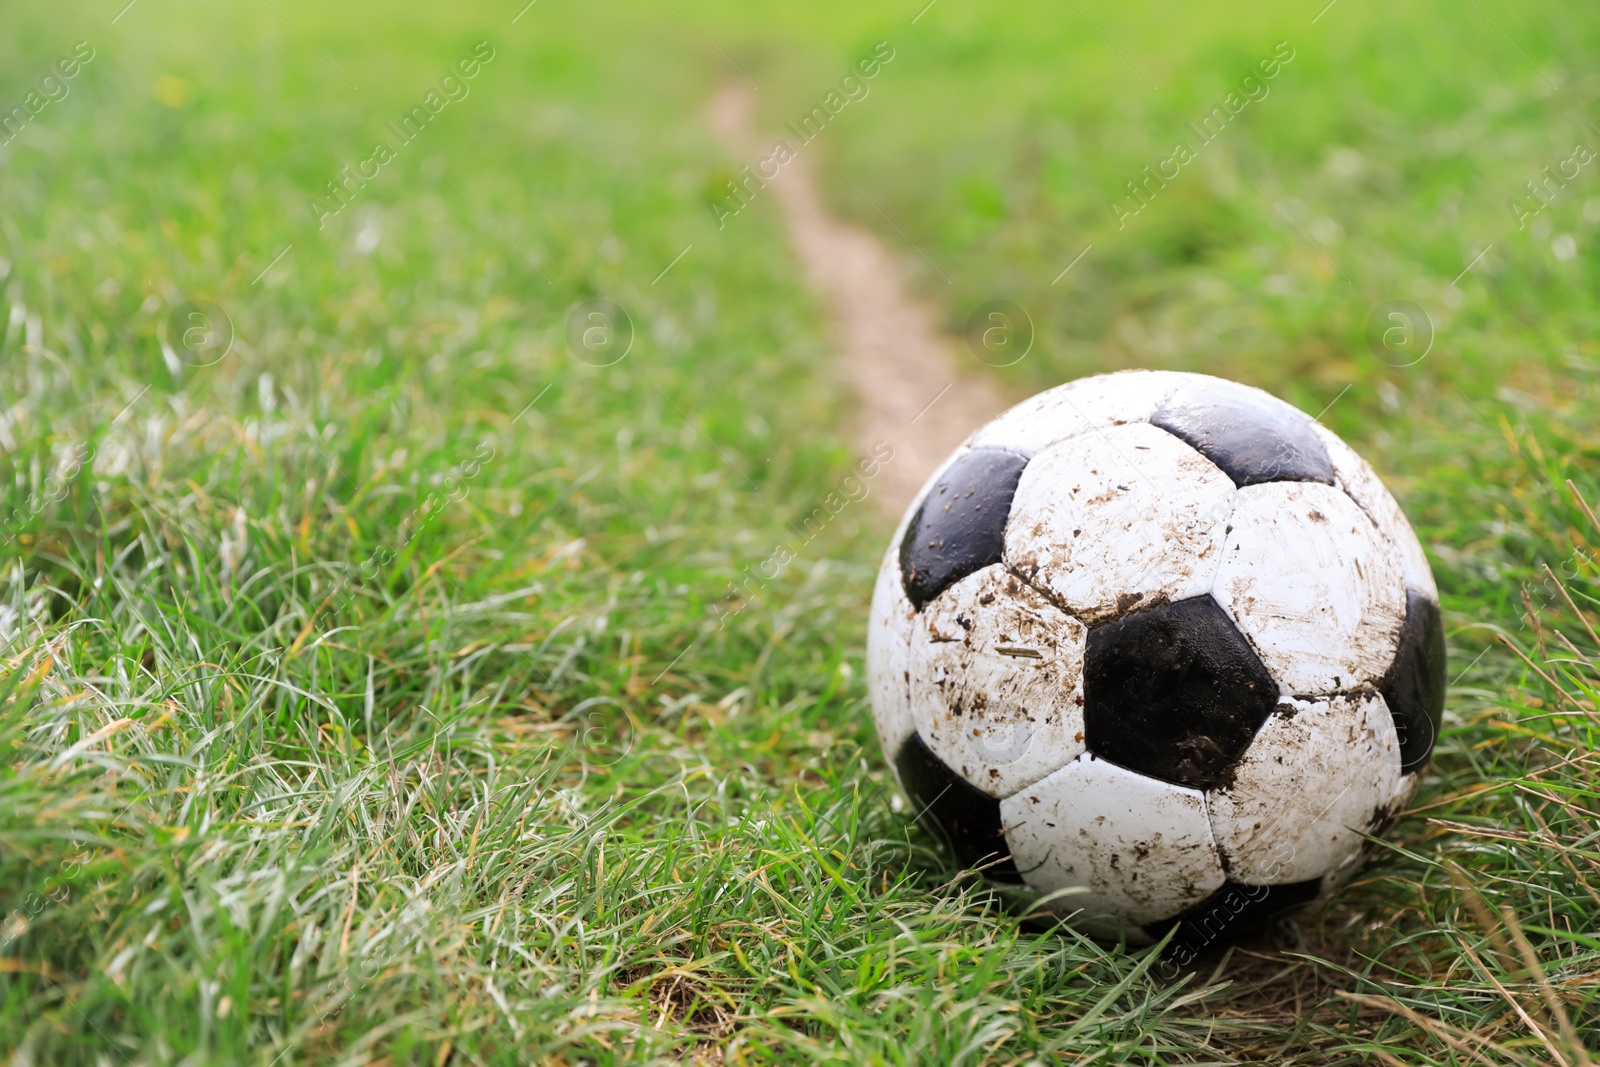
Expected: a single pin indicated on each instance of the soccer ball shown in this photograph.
(1157, 648)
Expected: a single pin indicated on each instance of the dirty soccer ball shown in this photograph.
(1157, 648)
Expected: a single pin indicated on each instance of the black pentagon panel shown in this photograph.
(1232, 912)
(966, 817)
(961, 524)
(1252, 438)
(1174, 691)
(1414, 687)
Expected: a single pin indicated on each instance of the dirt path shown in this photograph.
(911, 388)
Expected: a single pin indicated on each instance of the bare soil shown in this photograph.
(912, 390)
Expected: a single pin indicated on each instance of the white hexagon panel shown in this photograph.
(998, 689)
(889, 629)
(1309, 580)
(1116, 518)
(1140, 849)
(1318, 775)
(1081, 406)
(1357, 478)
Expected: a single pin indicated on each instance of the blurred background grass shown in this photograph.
(513, 793)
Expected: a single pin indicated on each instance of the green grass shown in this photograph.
(376, 694)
